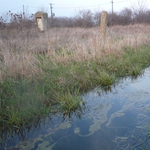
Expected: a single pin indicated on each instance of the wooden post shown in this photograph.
(103, 26)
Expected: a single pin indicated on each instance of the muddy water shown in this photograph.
(116, 119)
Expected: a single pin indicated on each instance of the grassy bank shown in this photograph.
(35, 76)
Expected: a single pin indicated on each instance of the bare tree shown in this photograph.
(125, 16)
(43, 9)
(97, 18)
(60, 22)
(139, 9)
(84, 18)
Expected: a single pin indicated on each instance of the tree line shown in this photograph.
(83, 18)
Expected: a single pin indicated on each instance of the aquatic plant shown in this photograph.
(143, 140)
(69, 101)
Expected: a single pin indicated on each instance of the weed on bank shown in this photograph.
(22, 100)
(40, 72)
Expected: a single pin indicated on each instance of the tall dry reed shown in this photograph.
(19, 49)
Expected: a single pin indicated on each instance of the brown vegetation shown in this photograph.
(18, 49)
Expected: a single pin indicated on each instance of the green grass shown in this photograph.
(21, 102)
(24, 100)
(69, 101)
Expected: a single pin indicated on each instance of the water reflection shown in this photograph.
(113, 118)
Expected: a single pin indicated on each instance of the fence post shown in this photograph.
(42, 21)
(103, 25)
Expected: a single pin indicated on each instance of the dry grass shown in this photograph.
(100, 63)
(18, 49)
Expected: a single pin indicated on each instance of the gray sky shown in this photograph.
(65, 7)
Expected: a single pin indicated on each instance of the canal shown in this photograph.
(116, 118)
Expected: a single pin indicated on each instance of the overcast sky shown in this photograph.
(66, 8)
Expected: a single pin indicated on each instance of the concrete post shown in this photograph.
(42, 21)
(45, 21)
(103, 25)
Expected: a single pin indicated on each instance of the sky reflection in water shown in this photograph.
(112, 120)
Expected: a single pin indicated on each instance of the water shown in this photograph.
(116, 119)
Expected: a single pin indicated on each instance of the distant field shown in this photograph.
(18, 49)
